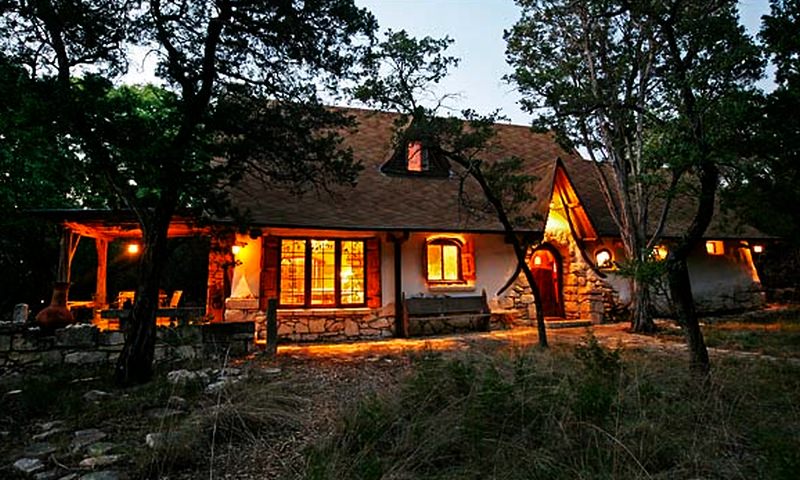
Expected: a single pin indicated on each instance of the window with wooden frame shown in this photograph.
(449, 261)
(417, 159)
(321, 273)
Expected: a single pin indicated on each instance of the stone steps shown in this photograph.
(560, 323)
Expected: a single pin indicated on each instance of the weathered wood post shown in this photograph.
(272, 327)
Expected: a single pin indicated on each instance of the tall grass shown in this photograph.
(587, 413)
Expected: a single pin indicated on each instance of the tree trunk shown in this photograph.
(681, 290)
(641, 307)
(135, 364)
(537, 298)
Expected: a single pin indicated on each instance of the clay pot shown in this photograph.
(56, 315)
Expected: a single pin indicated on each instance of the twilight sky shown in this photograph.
(477, 27)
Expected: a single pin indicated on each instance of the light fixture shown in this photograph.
(235, 249)
(603, 258)
(715, 247)
(133, 248)
(758, 248)
(660, 252)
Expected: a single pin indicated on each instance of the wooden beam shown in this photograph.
(100, 292)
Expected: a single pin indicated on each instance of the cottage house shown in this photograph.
(400, 253)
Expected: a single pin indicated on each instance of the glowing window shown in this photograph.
(603, 258)
(417, 157)
(715, 247)
(293, 272)
(322, 273)
(352, 273)
(444, 261)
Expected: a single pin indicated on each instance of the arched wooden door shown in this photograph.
(546, 269)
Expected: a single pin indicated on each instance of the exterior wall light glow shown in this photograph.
(660, 252)
(603, 258)
(715, 247)
(235, 249)
(758, 248)
(132, 248)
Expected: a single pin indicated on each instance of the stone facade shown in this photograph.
(24, 348)
(328, 325)
(585, 295)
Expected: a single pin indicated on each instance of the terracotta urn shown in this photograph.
(56, 315)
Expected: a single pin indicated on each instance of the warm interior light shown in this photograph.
(715, 247)
(537, 260)
(660, 252)
(235, 249)
(133, 248)
(415, 163)
(603, 258)
(758, 248)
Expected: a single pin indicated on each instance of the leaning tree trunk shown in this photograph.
(681, 291)
(135, 363)
(537, 298)
(641, 307)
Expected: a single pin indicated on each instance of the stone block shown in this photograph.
(379, 323)
(301, 327)
(111, 338)
(78, 335)
(241, 304)
(316, 325)
(21, 313)
(51, 358)
(234, 316)
(5, 343)
(85, 358)
(25, 358)
(186, 352)
(24, 343)
(351, 328)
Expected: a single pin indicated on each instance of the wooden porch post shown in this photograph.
(399, 318)
(100, 293)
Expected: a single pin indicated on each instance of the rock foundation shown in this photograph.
(23, 347)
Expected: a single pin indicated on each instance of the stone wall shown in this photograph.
(585, 295)
(329, 325)
(24, 347)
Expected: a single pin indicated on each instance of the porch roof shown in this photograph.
(114, 224)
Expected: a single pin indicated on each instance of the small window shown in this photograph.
(715, 247)
(604, 259)
(444, 261)
(417, 157)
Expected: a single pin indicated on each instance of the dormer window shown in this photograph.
(417, 158)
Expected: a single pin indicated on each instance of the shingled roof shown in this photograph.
(390, 202)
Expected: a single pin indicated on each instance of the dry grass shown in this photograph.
(593, 413)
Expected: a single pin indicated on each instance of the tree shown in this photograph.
(403, 68)
(644, 88)
(240, 93)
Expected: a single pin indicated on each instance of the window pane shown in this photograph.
(323, 272)
(415, 157)
(293, 272)
(450, 254)
(352, 275)
(434, 262)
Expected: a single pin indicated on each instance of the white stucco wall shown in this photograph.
(723, 282)
(494, 264)
(246, 274)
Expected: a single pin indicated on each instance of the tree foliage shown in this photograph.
(646, 89)
(403, 70)
(240, 83)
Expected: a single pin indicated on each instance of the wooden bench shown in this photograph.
(443, 314)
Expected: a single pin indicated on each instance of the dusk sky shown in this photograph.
(476, 26)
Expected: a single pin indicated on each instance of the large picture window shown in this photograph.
(322, 273)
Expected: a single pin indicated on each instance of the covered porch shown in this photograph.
(116, 239)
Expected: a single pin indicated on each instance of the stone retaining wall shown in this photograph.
(24, 347)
